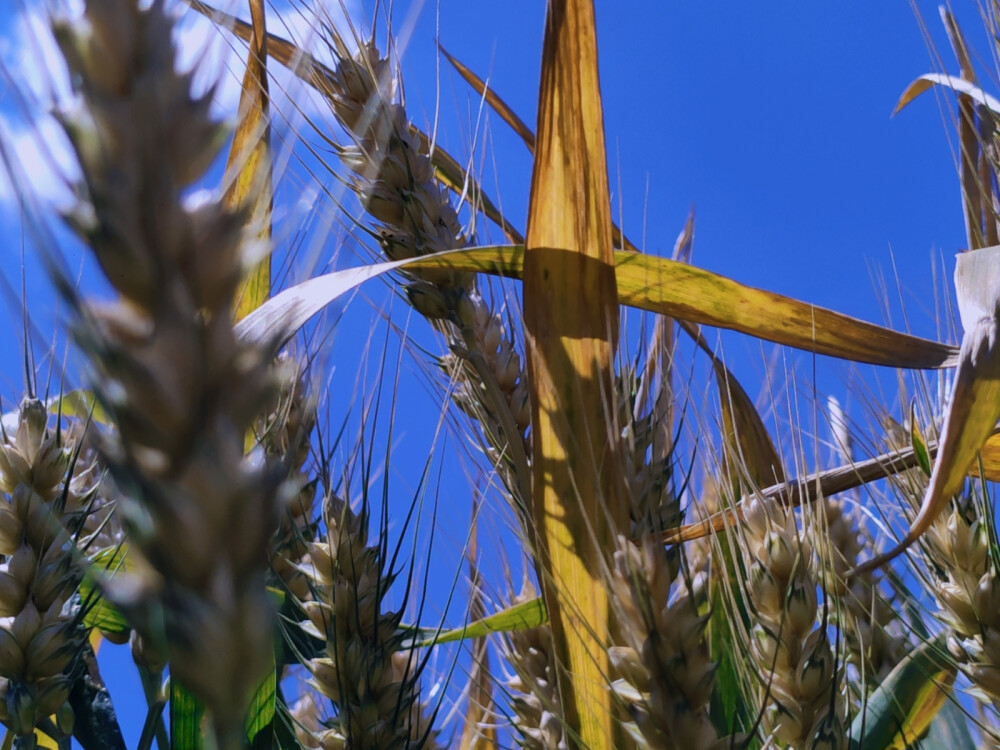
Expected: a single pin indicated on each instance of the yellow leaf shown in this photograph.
(571, 327)
(688, 293)
(249, 165)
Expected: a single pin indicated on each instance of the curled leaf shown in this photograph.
(975, 398)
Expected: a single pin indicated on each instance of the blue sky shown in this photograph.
(772, 119)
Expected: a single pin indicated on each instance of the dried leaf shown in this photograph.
(509, 116)
(493, 99)
(929, 80)
(249, 164)
(571, 327)
(688, 293)
(974, 406)
(748, 449)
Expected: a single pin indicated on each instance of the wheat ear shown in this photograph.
(179, 386)
(41, 634)
(414, 216)
(800, 680)
(370, 678)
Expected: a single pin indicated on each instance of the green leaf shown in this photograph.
(101, 613)
(80, 404)
(729, 708)
(901, 710)
(261, 712)
(918, 443)
(186, 715)
(529, 614)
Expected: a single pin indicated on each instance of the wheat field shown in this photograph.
(607, 542)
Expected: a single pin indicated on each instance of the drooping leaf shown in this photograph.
(974, 405)
(688, 293)
(499, 106)
(901, 710)
(682, 291)
(929, 80)
(527, 614)
(747, 444)
(248, 167)
(284, 314)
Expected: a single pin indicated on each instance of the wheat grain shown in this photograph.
(284, 435)
(533, 689)
(665, 663)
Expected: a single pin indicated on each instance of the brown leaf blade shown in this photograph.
(515, 123)
(248, 167)
(748, 450)
(501, 107)
(571, 325)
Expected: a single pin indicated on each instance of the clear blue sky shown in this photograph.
(772, 119)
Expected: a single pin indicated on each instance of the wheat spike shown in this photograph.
(179, 386)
